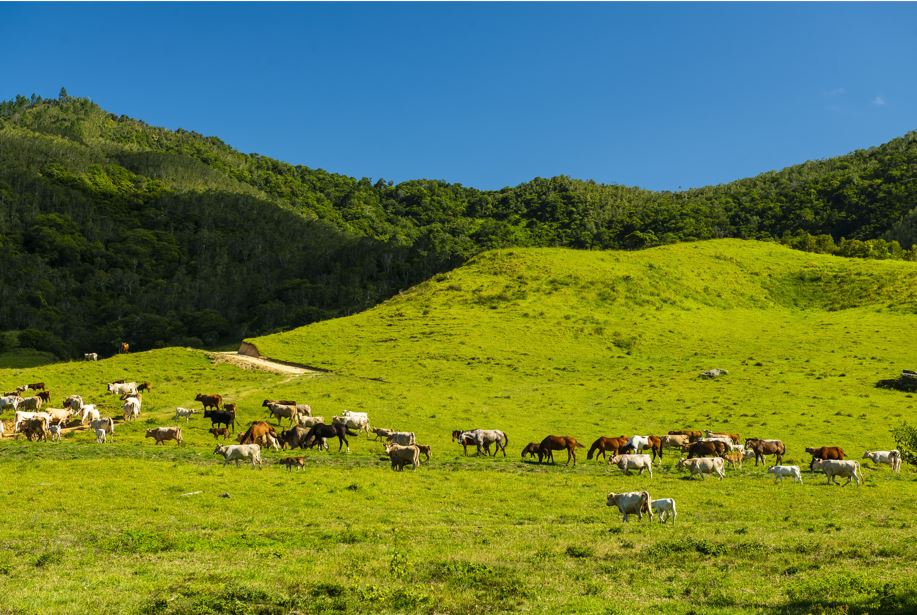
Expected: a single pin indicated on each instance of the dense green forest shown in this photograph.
(115, 230)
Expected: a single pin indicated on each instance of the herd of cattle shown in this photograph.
(706, 452)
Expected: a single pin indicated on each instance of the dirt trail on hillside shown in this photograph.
(247, 362)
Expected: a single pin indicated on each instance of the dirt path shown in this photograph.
(247, 362)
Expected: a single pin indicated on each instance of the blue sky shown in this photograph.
(660, 96)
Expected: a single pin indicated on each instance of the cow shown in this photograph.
(44, 395)
(120, 388)
(664, 508)
(404, 438)
(677, 441)
(239, 452)
(308, 421)
(710, 448)
(693, 434)
(219, 431)
(59, 415)
(632, 462)
(161, 434)
(88, 413)
(283, 412)
(558, 443)
(74, 402)
(184, 413)
(90, 356)
(766, 447)
(293, 462)
(124, 348)
(891, 458)
(210, 401)
(825, 452)
(780, 471)
(10, 401)
(21, 417)
(256, 432)
(36, 386)
(631, 503)
(35, 428)
(55, 431)
(849, 469)
(294, 437)
(702, 466)
(530, 449)
(734, 437)
(131, 407)
(30, 403)
(605, 445)
(106, 425)
(402, 456)
(353, 420)
(100, 436)
(144, 386)
(221, 417)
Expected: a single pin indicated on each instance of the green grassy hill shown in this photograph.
(533, 342)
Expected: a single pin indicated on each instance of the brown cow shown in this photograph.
(34, 428)
(558, 443)
(45, 396)
(607, 445)
(766, 447)
(823, 452)
(709, 448)
(425, 450)
(294, 437)
(210, 401)
(734, 437)
(256, 432)
(693, 434)
(144, 386)
(36, 386)
(219, 431)
(530, 449)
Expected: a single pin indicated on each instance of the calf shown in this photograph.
(107, 425)
(891, 458)
(403, 455)
(631, 503)
(219, 431)
(703, 466)
(100, 436)
(836, 467)
(404, 438)
(184, 413)
(664, 509)
(55, 431)
(780, 471)
(293, 462)
(632, 462)
(530, 449)
(382, 433)
(161, 434)
(734, 458)
(425, 450)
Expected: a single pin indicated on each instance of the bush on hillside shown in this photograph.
(906, 440)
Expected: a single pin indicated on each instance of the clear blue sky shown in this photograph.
(490, 95)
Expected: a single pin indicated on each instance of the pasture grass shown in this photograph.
(533, 342)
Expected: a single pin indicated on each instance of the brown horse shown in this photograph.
(558, 443)
(123, 348)
(530, 449)
(609, 445)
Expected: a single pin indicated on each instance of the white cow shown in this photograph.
(132, 407)
(309, 421)
(20, 417)
(846, 468)
(664, 509)
(88, 413)
(123, 388)
(184, 413)
(74, 402)
(239, 452)
(91, 356)
(633, 462)
(891, 458)
(107, 425)
(404, 438)
(703, 465)
(631, 503)
(355, 420)
(10, 401)
(780, 471)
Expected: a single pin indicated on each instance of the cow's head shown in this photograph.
(612, 499)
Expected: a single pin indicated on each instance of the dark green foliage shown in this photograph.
(906, 442)
(115, 230)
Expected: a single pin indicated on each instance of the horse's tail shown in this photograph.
(580, 445)
(505, 440)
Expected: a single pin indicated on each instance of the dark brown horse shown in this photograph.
(558, 443)
(530, 449)
(607, 445)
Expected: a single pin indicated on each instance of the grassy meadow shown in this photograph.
(532, 342)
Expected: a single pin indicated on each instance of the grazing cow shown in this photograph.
(607, 445)
(403, 455)
(210, 401)
(404, 438)
(121, 388)
(679, 442)
(88, 413)
(664, 508)
(705, 465)
(734, 458)
(293, 462)
(353, 420)
(221, 417)
(131, 407)
(144, 386)
(530, 449)
(161, 434)
(766, 447)
(891, 458)
(30, 403)
(483, 438)
(833, 468)
(239, 452)
(123, 348)
(184, 413)
(317, 433)
(283, 412)
(733, 437)
(107, 425)
(35, 428)
(100, 436)
(710, 448)
(10, 401)
(825, 452)
(55, 431)
(693, 434)
(425, 450)
(44, 395)
(466, 439)
(219, 431)
(780, 471)
(256, 432)
(90, 356)
(558, 443)
(631, 503)
(632, 462)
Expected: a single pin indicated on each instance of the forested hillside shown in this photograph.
(116, 230)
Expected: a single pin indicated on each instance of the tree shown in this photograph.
(63, 93)
(906, 440)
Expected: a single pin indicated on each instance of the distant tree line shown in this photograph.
(116, 230)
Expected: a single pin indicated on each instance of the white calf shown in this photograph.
(100, 436)
(780, 471)
(665, 508)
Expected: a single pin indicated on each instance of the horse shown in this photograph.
(483, 438)
(530, 449)
(336, 430)
(638, 443)
(465, 438)
(558, 443)
(123, 348)
(610, 445)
